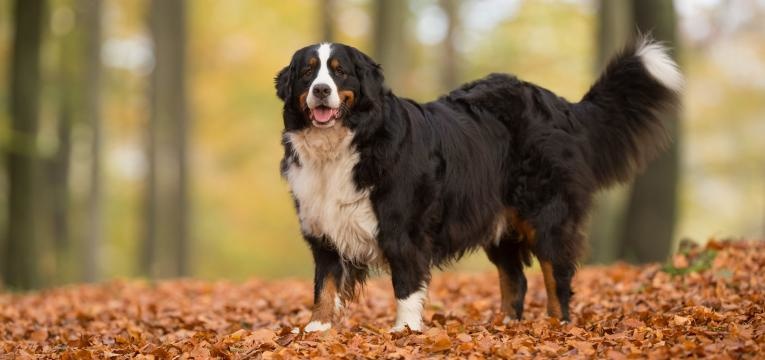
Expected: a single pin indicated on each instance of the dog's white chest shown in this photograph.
(329, 204)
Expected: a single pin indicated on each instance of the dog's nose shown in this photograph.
(321, 91)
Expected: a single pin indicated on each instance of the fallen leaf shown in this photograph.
(681, 320)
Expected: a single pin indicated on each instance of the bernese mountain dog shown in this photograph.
(381, 181)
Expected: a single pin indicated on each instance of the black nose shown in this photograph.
(321, 91)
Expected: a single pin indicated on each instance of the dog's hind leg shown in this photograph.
(557, 247)
(557, 277)
(510, 255)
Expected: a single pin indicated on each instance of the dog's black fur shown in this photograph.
(441, 173)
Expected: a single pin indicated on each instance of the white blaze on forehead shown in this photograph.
(323, 77)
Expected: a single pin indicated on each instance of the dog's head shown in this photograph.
(327, 83)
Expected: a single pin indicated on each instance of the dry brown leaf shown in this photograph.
(679, 261)
(464, 337)
(437, 340)
(681, 320)
(583, 347)
(261, 335)
(39, 335)
(632, 323)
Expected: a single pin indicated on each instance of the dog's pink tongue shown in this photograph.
(323, 114)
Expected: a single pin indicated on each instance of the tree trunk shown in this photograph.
(167, 193)
(91, 16)
(450, 73)
(79, 101)
(59, 187)
(59, 166)
(651, 213)
(21, 254)
(327, 8)
(390, 46)
(613, 32)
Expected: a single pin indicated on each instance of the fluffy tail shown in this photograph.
(623, 110)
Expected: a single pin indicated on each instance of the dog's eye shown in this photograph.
(307, 72)
(339, 71)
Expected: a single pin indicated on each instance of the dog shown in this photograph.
(381, 181)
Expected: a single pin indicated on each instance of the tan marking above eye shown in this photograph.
(313, 61)
(334, 63)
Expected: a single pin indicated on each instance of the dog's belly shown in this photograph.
(329, 205)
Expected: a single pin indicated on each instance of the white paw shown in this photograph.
(508, 320)
(409, 311)
(317, 326)
(396, 329)
(416, 326)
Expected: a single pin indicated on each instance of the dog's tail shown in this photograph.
(622, 110)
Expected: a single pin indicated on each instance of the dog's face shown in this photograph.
(328, 82)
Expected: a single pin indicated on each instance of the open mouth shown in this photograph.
(324, 116)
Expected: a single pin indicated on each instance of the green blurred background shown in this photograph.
(141, 138)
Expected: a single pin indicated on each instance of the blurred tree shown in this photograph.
(91, 17)
(79, 104)
(390, 47)
(166, 243)
(652, 210)
(450, 73)
(327, 20)
(20, 266)
(614, 27)
(58, 167)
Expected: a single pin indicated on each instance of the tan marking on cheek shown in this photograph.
(553, 303)
(509, 290)
(347, 97)
(324, 307)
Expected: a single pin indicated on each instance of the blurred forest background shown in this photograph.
(141, 138)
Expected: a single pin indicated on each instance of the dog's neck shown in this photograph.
(319, 146)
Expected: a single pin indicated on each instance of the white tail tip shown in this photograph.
(659, 64)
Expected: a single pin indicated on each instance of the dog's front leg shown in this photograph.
(410, 272)
(328, 279)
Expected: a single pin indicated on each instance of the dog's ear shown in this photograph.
(370, 77)
(283, 82)
(368, 109)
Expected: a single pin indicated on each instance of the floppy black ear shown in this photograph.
(283, 82)
(370, 76)
(368, 109)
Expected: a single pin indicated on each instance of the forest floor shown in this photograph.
(708, 301)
